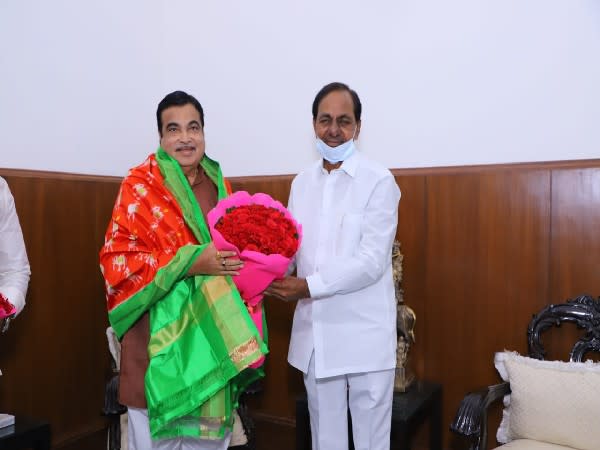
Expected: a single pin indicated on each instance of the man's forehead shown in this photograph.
(336, 103)
(180, 114)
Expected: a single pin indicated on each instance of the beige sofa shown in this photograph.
(548, 405)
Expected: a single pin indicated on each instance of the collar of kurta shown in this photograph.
(349, 165)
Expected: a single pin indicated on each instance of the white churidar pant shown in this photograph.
(369, 396)
(138, 430)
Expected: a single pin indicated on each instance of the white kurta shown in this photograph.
(349, 219)
(14, 266)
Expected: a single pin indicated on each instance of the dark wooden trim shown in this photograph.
(43, 174)
(270, 418)
(479, 168)
(407, 171)
(82, 434)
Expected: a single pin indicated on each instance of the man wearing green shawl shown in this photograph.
(186, 336)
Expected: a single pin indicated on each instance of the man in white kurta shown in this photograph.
(344, 331)
(14, 265)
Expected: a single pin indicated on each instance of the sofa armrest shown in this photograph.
(471, 417)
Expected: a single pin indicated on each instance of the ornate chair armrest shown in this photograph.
(113, 410)
(112, 407)
(471, 417)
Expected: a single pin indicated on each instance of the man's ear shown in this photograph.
(357, 130)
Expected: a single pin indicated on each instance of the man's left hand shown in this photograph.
(288, 289)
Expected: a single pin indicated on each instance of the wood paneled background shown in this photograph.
(484, 248)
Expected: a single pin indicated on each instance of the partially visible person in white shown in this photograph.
(14, 265)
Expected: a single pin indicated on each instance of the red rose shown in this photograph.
(259, 228)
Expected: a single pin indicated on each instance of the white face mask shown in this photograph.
(336, 154)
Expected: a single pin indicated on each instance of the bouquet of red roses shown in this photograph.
(265, 236)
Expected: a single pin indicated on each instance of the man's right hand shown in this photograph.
(289, 289)
(214, 262)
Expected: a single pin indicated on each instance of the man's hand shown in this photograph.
(214, 262)
(288, 289)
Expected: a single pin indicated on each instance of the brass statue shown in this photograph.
(405, 324)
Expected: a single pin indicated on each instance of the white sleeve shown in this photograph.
(14, 265)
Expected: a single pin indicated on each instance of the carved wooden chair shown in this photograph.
(113, 410)
(546, 402)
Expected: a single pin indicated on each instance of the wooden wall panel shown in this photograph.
(575, 233)
(411, 233)
(575, 245)
(277, 186)
(484, 248)
(487, 260)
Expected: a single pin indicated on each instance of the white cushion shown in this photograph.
(555, 402)
(528, 444)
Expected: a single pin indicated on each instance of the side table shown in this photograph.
(422, 401)
(410, 409)
(26, 433)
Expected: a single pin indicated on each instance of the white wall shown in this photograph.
(446, 82)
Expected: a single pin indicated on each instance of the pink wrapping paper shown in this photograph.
(259, 269)
(10, 308)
